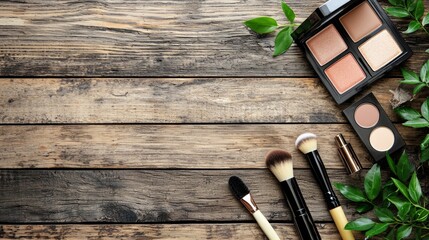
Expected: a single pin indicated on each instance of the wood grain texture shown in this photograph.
(238, 231)
(162, 196)
(151, 38)
(176, 100)
(170, 146)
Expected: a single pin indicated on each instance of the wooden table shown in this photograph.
(124, 119)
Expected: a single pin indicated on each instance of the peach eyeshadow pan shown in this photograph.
(345, 73)
(326, 45)
(360, 21)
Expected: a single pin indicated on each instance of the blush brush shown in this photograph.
(242, 193)
(307, 144)
(281, 165)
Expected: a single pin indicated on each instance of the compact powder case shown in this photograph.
(350, 44)
(374, 128)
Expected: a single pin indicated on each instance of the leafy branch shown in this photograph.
(411, 78)
(266, 25)
(398, 204)
(413, 10)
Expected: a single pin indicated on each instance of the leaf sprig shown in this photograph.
(265, 25)
(416, 119)
(412, 78)
(398, 204)
(413, 9)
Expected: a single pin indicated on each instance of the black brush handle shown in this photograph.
(319, 172)
(301, 215)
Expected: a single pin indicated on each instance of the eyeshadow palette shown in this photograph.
(374, 128)
(350, 44)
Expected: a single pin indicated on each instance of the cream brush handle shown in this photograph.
(265, 226)
(340, 220)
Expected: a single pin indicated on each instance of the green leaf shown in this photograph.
(402, 188)
(396, 3)
(418, 88)
(425, 142)
(404, 167)
(351, 193)
(390, 161)
(391, 235)
(409, 74)
(421, 215)
(425, 109)
(262, 25)
(377, 229)
(414, 188)
(424, 72)
(397, 12)
(411, 5)
(403, 231)
(389, 190)
(283, 41)
(372, 182)
(427, 50)
(384, 215)
(360, 224)
(425, 20)
(289, 13)
(407, 113)
(398, 202)
(416, 123)
(410, 82)
(412, 27)
(402, 213)
(363, 207)
(424, 156)
(419, 10)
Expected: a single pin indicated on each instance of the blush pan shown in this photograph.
(372, 125)
(345, 73)
(350, 44)
(326, 45)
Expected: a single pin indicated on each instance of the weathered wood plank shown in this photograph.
(154, 100)
(126, 196)
(169, 146)
(237, 231)
(150, 38)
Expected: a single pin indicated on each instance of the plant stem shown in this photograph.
(288, 25)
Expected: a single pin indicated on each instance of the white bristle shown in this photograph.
(283, 170)
(280, 163)
(306, 142)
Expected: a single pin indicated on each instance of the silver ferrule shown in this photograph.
(249, 203)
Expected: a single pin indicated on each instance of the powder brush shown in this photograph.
(307, 144)
(281, 165)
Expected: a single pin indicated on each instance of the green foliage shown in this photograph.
(412, 9)
(266, 25)
(412, 78)
(262, 25)
(415, 119)
(400, 209)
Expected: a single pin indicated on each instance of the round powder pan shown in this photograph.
(374, 128)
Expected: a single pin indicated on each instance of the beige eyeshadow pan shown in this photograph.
(382, 139)
(345, 73)
(326, 45)
(367, 115)
(380, 50)
(360, 21)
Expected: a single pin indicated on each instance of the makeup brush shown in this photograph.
(242, 193)
(307, 144)
(280, 164)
